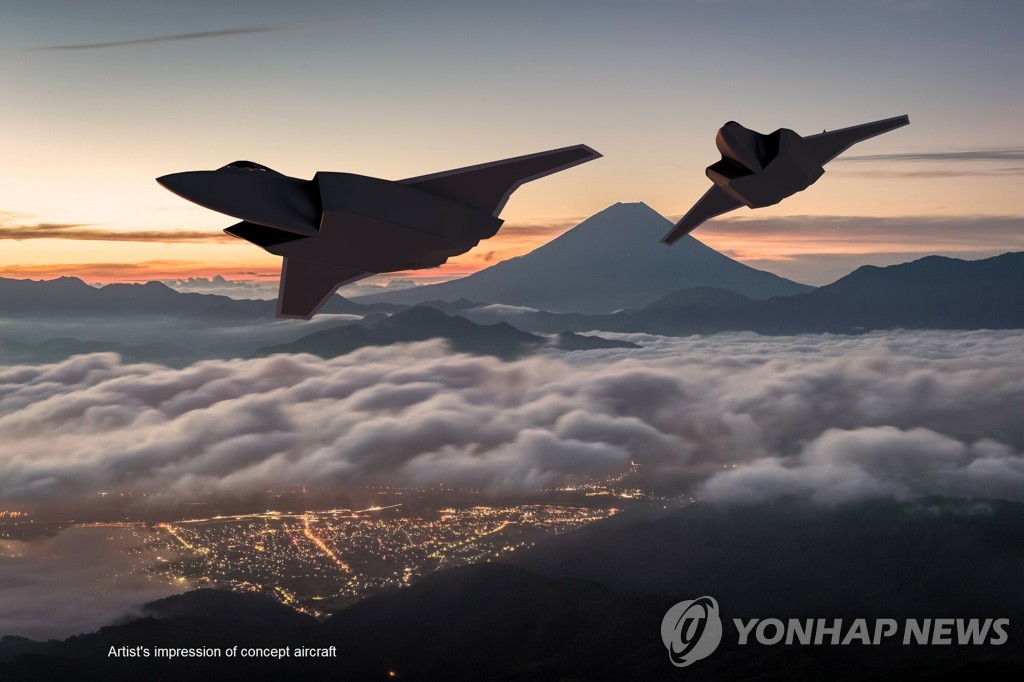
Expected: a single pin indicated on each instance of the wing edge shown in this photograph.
(697, 216)
(885, 125)
(590, 154)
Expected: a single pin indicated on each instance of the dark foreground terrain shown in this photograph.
(589, 605)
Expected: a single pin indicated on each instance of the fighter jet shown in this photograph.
(760, 170)
(340, 227)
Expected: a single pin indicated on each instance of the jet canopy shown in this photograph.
(246, 165)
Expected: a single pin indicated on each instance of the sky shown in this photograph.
(103, 97)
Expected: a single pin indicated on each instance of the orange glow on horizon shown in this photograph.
(248, 263)
(777, 238)
(142, 271)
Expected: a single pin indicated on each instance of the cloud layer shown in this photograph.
(745, 416)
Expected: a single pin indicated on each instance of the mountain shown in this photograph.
(227, 610)
(708, 296)
(71, 297)
(791, 557)
(421, 323)
(55, 350)
(612, 260)
(196, 620)
(591, 601)
(930, 293)
(500, 622)
(48, 320)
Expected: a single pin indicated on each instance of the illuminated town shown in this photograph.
(317, 559)
(324, 559)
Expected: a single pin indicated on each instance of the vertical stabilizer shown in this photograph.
(306, 286)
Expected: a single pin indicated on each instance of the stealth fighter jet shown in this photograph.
(340, 227)
(760, 170)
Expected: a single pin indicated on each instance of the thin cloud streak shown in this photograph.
(966, 173)
(80, 232)
(547, 230)
(199, 35)
(1002, 154)
(86, 232)
(931, 233)
(141, 271)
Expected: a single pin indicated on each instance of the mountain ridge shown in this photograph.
(421, 323)
(71, 297)
(935, 292)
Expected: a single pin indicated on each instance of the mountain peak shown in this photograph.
(69, 281)
(151, 286)
(610, 261)
(631, 206)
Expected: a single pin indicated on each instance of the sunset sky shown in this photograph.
(102, 97)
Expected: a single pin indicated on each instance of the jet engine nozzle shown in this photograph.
(741, 145)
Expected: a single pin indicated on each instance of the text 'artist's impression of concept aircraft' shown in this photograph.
(760, 170)
(340, 227)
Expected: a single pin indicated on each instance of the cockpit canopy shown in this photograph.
(247, 166)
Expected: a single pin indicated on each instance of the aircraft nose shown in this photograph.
(186, 185)
(269, 199)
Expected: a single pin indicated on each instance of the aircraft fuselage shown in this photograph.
(761, 170)
(341, 227)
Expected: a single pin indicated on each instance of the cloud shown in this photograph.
(540, 231)
(733, 418)
(954, 163)
(173, 38)
(889, 413)
(201, 338)
(220, 286)
(499, 309)
(378, 284)
(495, 313)
(925, 174)
(978, 231)
(74, 582)
(848, 465)
(137, 271)
(998, 154)
(90, 233)
(513, 240)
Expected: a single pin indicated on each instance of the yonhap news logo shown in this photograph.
(692, 630)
